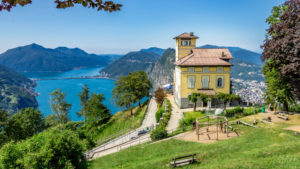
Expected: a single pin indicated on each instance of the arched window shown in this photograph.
(219, 82)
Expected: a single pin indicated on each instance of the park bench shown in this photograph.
(184, 160)
(284, 117)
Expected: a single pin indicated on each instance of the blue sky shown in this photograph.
(139, 24)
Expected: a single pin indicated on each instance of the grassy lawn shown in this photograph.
(256, 148)
(122, 122)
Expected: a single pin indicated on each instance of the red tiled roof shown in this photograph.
(187, 35)
(206, 57)
(212, 53)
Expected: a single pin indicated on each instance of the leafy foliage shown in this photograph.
(160, 132)
(51, 149)
(84, 97)
(25, 124)
(159, 95)
(96, 112)
(98, 4)
(142, 85)
(131, 89)
(194, 98)
(278, 89)
(60, 106)
(159, 114)
(282, 44)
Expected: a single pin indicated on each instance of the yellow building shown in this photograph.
(199, 70)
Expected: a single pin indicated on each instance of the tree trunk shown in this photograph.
(285, 106)
(195, 106)
(131, 113)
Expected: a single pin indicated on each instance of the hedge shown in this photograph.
(160, 132)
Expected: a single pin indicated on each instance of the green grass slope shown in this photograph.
(121, 123)
(256, 148)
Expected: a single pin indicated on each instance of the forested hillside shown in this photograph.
(36, 58)
(130, 63)
(16, 91)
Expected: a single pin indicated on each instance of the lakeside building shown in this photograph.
(199, 70)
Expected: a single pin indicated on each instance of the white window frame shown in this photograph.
(185, 42)
(202, 81)
(191, 82)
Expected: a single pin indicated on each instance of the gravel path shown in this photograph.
(176, 115)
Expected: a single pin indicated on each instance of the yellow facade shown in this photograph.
(190, 79)
(198, 74)
(184, 50)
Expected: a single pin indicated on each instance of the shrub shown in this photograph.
(50, 149)
(159, 133)
(189, 118)
(295, 108)
(234, 111)
(250, 111)
(159, 114)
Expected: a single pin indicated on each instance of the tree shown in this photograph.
(59, 106)
(96, 111)
(24, 124)
(142, 85)
(281, 46)
(123, 94)
(84, 97)
(225, 98)
(98, 4)
(278, 89)
(4, 116)
(50, 149)
(203, 98)
(159, 95)
(194, 98)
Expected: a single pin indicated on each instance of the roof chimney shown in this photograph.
(192, 34)
(223, 54)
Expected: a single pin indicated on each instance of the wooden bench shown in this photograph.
(283, 117)
(184, 160)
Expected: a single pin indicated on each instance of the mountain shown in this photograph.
(162, 71)
(240, 54)
(130, 62)
(156, 50)
(16, 91)
(37, 58)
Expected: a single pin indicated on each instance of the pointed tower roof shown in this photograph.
(187, 35)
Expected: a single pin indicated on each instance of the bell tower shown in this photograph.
(184, 44)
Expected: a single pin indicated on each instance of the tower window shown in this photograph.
(185, 42)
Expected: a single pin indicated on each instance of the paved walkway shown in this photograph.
(176, 115)
(128, 139)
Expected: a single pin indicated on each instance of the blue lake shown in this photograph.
(72, 87)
